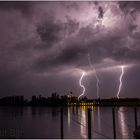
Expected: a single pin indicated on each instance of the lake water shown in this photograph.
(44, 122)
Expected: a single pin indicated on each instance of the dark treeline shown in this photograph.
(70, 99)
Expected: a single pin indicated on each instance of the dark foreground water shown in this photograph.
(44, 122)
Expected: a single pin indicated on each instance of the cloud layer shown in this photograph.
(49, 38)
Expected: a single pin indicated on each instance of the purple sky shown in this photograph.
(45, 47)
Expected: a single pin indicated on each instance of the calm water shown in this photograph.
(44, 122)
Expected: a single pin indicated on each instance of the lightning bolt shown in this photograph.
(96, 76)
(120, 85)
(81, 85)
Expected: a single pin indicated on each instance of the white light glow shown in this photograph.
(80, 83)
(120, 85)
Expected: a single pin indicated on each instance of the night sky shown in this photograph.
(46, 46)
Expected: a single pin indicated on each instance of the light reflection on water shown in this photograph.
(44, 122)
(69, 119)
(99, 118)
(122, 119)
(83, 122)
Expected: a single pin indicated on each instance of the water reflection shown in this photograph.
(99, 118)
(69, 121)
(83, 122)
(13, 111)
(55, 111)
(122, 123)
(38, 122)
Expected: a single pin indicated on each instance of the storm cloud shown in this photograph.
(44, 39)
